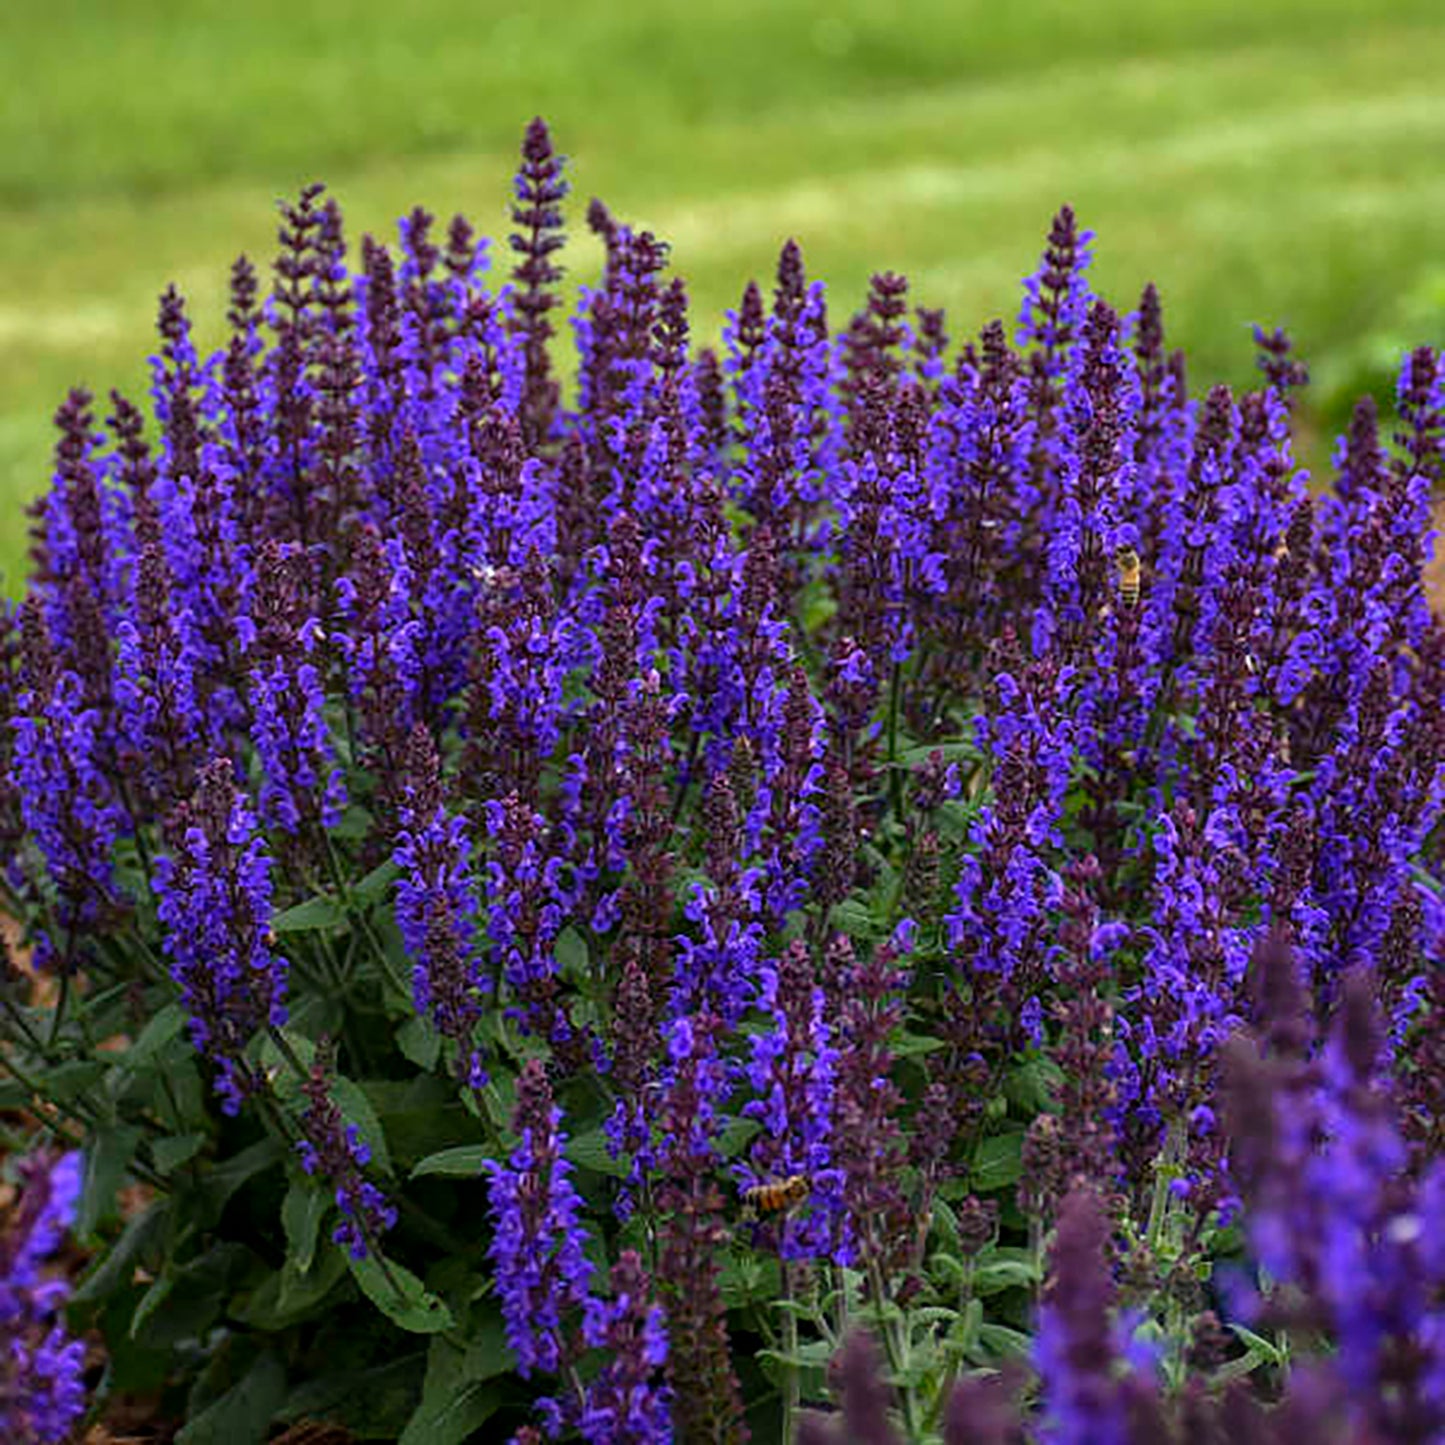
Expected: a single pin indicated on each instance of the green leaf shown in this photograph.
(244, 1413)
(373, 887)
(184, 1302)
(956, 817)
(420, 1044)
(170, 1153)
(946, 1270)
(140, 1239)
(1246, 1364)
(1003, 1343)
(854, 917)
(374, 1404)
(816, 604)
(998, 1163)
(906, 1045)
(745, 1279)
(990, 1276)
(1033, 1086)
(322, 911)
(158, 1032)
(463, 1162)
(130, 1368)
(458, 1395)
(589, 1151)
(106, 1161)
(301, 1214)
(812, 1354)
(420, 1116)
(488, 1353)
(356, 1109)
(286, 1295)
(570, 951)
(400, 1295)
(300, 1292)
(274, 1064)
(225, 1178)
(945, 1221)
(184, 1103)
(353, 825)
(1265, 1349)
(736, 1135)
(447, 1418)
(68, 1081)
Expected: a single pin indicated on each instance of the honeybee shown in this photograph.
(1131, 572)
(776, 1196)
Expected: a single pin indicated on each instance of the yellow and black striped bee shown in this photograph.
(777, 1196)
(1131, 573)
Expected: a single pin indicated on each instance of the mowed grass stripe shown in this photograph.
(153, 94)
(1271, 183)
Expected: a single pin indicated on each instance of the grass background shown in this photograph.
(1262, 160)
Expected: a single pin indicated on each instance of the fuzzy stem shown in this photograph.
(792, 1397)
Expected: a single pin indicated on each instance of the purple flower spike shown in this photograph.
(434, 906)
(537, 1243)
(625, 1404)
(213, 887)
(41, 1391)
(334, 1151)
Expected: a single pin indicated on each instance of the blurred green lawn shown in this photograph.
(1262, 160)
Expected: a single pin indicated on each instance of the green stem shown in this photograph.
(950, 1374)
(840, 1282)
(283, 1047)
(57, 1018)
(495, 1147)
(86, 1124)
(1159, 1200)
(895, 773)
(142, 850)
(896, 1360)
(23, 1024)
(385, 963)
(792, 1397)
(154, 963)
(431, 1228)
(26, 1082)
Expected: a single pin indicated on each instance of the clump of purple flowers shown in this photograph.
(867, 784)
(42, 1394)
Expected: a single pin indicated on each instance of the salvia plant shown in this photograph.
(841, 887)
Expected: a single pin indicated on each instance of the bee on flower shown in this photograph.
(775, 1196)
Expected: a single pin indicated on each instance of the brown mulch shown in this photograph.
(118, 1432)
